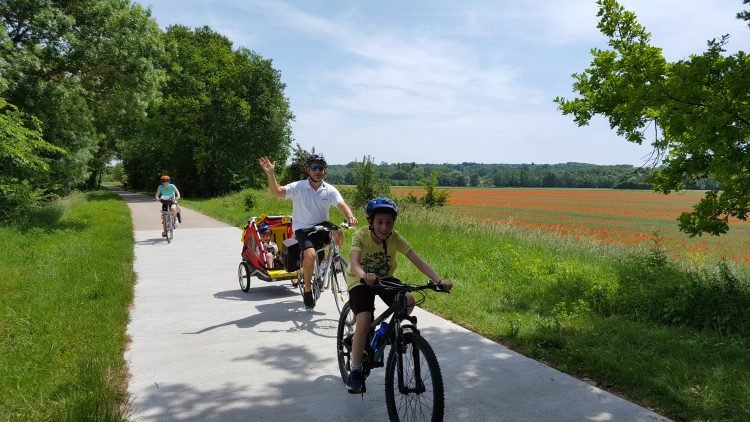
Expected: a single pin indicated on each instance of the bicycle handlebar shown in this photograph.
(401, 287)
(319, 228)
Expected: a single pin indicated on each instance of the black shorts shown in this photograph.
(315, 240)
(166, 205)
(362, 297)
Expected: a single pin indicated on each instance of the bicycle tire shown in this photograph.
(243, 273)
(315, 281)
(339, 287)
(414, 406)
(170, 229)
(343, 348)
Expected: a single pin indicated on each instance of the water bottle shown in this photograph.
(378, 338)
(323, 266)
(379, 334)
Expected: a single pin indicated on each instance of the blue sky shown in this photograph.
(435, 81)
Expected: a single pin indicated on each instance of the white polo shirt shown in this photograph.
(310, 207)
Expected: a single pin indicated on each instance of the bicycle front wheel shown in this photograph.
(344, 335)
(413, 382)
(338, 282)
(170, 228)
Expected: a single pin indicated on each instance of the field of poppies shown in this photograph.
(630, 217)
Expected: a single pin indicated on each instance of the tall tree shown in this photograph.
(221, 110)
(697, 110)
(85, 69)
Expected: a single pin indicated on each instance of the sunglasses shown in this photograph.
(317, 168)
(166, 181)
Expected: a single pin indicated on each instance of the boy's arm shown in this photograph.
(177, 191)
(354, 258)
(428, 271)
(156, 195)
(268, 167)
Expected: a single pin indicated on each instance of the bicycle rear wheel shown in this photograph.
(338, 282)
(413, 382)
(344, 335)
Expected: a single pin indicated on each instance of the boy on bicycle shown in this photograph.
(169, 195)
(373, 257)
(311, 200)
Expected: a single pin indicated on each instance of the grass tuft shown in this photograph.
(66, 284)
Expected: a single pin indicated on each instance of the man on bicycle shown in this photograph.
(311, 200)
(169, 195)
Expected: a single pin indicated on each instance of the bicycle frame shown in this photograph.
(168, 219)
(331, 253)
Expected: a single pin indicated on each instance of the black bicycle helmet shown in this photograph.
(317, 158)
(381, 205)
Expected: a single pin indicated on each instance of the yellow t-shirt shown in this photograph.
(373, 257)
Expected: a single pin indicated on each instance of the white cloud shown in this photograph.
(448, 81)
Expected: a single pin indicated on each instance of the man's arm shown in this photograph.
(268, 167)
(351, 219)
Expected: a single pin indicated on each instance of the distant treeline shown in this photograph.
(566, 175)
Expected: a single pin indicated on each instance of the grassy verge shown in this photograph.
(66, 284)
(667, 337)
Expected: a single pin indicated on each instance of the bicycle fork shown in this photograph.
(400, 349)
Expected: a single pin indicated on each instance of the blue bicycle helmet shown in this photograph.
(381, 205)
(263, 227)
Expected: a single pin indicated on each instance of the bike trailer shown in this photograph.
(252, 255)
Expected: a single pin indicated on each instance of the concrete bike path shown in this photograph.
(203, 350)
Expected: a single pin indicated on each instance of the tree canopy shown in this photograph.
(84, 82)
(695, 112)
(85, 70)
(221, 109)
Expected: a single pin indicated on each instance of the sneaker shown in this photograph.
(179, 218)
(354, 382)
(309, 301)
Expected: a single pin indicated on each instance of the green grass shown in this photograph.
(664, 336)
(66, 283)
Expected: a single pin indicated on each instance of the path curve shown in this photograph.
(203, 350)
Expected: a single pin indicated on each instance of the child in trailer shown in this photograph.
(373, 257)
(270, 249)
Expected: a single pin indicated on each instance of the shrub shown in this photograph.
(433, 197)
(370, 184)
(248, 199)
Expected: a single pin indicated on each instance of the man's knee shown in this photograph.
(309, 253)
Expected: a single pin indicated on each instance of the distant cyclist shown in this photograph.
(169, 194)
(373, 257)
(311, 200)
